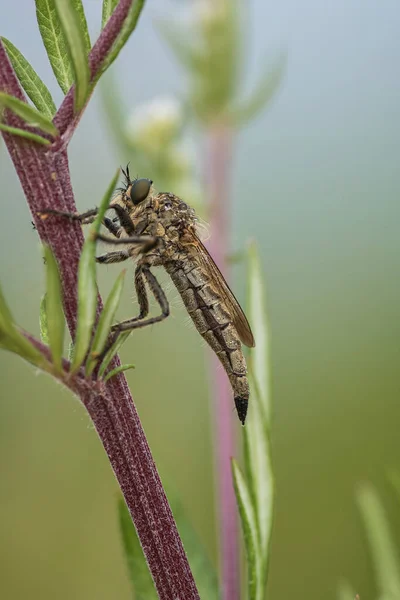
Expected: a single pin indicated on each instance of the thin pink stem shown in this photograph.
(218, 165)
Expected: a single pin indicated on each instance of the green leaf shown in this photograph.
(117, 370)
(44, 331)
(87, 288)
(256, 432)
(105, 321)
(250, 533)
(126, 30)
(138, 570)
(30, 81)
(13, 340)
(71, 351)
(266, 89)
(108, 9)
(112, 352)
(29, 114)
(383, 551)
(54, 42)
(78, 6)
(76, 44)
(24, 134)
(54, 309)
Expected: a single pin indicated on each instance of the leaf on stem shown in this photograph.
(28, 135)
(250, 532)
(30, 81)
(105, 321)
(54, 309)
(257, 487)
(383, 551)
(74, 27)
(44, 331)
(112, 352)
(118, 370)
(54, 42)
(13, 340)
(108, 9)
(87, 288)
(28, 113)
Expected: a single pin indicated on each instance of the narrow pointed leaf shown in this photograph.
(80, 11)
(44, 330)
(28, 135)
(30, 81)
(127, 28)
(54, 42)
(257, 310)
(105, 321)
(87, 288)
(248, 109)
(250, 533)
(108, 9)
(54, 309)
(118, 370)
(138, 571)
(28, 113)
(384, 555)
(112, 352)
(71, 350)
(257, 450)
(13, 340)
(74, 35)
(6, 319)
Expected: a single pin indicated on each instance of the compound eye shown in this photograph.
(140, 190)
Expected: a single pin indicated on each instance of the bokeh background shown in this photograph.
(316, 181)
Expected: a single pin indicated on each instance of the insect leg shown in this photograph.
(85, 218)
(140, 287)
(147, 241)
(158, 294)
(113, 257)
(90, 215)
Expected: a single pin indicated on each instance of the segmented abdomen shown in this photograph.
(213, 321)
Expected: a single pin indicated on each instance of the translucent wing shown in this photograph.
(217, 280)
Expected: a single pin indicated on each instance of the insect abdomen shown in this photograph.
(213, 322)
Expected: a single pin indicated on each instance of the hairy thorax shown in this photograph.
(168, 218)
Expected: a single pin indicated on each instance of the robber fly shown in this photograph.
(159, 229)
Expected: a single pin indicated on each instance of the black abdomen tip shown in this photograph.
(241, 407)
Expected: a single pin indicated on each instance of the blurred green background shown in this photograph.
(316, 181)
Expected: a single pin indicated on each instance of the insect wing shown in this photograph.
(239, 319)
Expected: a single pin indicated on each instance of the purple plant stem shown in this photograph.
(45, 178)
(218, 164)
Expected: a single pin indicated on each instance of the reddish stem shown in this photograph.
(218, 165)
(45, 178)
